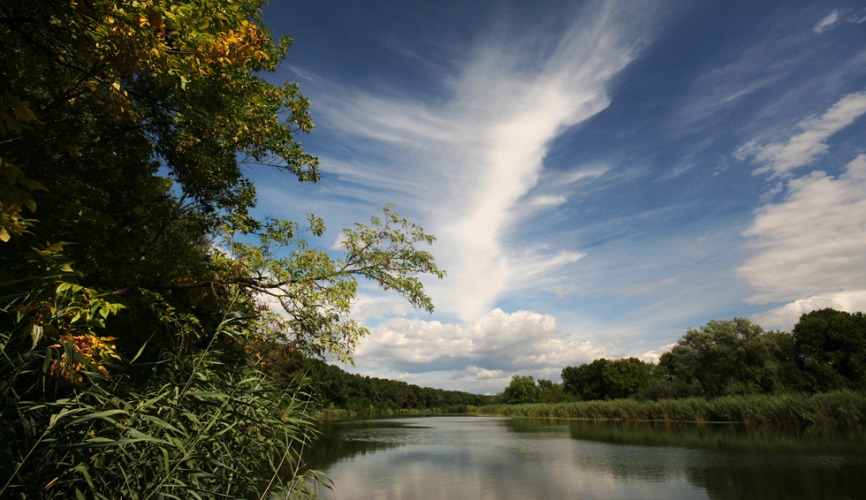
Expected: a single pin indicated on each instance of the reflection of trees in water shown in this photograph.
(738, 462)
(345, 439)
(728, 461)
(795, 478)
(810, 440)
(725, 461)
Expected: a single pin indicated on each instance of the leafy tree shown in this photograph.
(625, 377)
(730, 357)
(550, 392)
(126, 235)
(585, 381)
(522, 389)
(607, 379)
(830, 348)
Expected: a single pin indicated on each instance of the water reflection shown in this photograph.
(477, 457)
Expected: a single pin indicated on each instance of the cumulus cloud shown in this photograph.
(813, 243)
(778, 159)
(785, 317)
(481, 355)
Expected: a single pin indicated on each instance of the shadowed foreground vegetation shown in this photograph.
(142, 303)
(831, 409)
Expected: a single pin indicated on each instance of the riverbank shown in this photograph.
(831, 409)
(371, 411)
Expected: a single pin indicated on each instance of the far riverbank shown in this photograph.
(830, 409)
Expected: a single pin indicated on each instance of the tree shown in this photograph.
(730, 357)
(126, 235)
(830, 348)
(522, 389)
(625, 377)
(607, 379)
(585, 381)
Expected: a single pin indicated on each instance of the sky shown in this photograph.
(600, 176)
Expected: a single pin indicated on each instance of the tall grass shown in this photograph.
(832, 409)
(185, 427)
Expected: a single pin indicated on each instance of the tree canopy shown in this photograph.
(126, 234)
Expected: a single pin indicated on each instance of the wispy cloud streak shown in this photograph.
(471, 157)
(778, 159)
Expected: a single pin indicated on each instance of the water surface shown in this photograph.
(502, 458)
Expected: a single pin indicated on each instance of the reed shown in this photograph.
(832, 409)
(195, 427)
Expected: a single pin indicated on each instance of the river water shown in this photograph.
(502, 458)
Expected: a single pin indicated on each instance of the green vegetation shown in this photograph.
(345, 394)
(729, 371)
(140, 301)
(837, 408)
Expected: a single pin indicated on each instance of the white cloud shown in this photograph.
(479, 356)
(779, 158)
(547, 200)
(785, 317)
(813, 242)
(837, 16)
(825, 23)
(653, 355)
(467, 161)
(367, 307)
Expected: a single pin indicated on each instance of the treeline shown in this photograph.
(363, 395)
(826, 351)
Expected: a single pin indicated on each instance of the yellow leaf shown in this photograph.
(22, 110)
(4, 235)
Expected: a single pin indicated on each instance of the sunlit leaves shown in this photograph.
(314, 291)
(16, 194)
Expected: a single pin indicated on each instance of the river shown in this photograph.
(503, 458)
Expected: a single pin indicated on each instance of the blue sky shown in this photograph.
(601, 176)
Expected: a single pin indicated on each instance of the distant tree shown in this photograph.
(623, 378)
(522, 389)
(585, 381)
(607, 379)
(550, 392)
(830, 349)
(731, 357)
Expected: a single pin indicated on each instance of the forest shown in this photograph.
(336, 389)
(826, 351)
(141, 302)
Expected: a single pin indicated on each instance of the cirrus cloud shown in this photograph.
(813, 242)
(778, 159)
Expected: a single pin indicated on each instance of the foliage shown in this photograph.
(315, 292)
(830, 348)
(730, 357)
(522, 389)
(358, 394)
(825, 352)
(195, 428)
(833, 409)
(607, 379)
(136, 288)
(551, 392)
